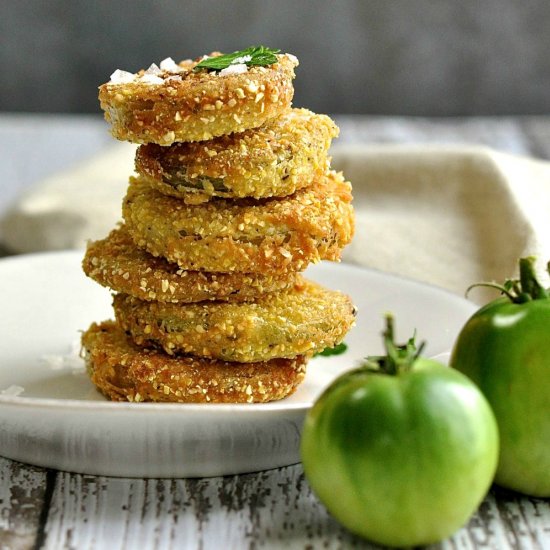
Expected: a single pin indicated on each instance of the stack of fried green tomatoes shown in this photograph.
(232, 199)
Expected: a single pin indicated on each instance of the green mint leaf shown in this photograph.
(336, 350)
(253, 56)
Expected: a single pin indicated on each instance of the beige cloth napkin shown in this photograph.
(65, 210)
(448, 216)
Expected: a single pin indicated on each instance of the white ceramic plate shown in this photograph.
(58, 419)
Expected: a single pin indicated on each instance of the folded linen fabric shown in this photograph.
(448, 215)
(65, 209)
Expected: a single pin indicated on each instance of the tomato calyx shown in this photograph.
(522, 290)
(399, 358)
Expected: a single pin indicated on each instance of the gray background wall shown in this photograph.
(413, 57)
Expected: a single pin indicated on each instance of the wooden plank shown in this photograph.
(22, 498)
(270, 509)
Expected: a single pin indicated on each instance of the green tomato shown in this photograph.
(504, 349)
(401, 458)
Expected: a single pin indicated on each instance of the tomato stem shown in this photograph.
(399, 358)
(521, 290)
(528, 279)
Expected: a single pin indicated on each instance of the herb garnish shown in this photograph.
(254, 55)
(336, 350)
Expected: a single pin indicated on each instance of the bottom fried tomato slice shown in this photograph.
(123, 371)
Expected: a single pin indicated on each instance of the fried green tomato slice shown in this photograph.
(123, 371)
(304, 320)
(245, 235)
(274, 160)
(117, 263)
(170, 104)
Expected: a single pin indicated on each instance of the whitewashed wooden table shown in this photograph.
(273, 509)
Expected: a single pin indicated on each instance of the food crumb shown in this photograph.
(13, 391)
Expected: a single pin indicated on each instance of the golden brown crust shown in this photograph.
(282, 156)
(303, 320)
(196, 106)
(124, 372)
(264, 236)
(117, 263)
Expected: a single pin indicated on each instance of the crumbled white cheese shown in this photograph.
(55, 362)
(292, 58)
(153, 69)
(70, 360)
(238, 68)
(75, 348)
(151, 79)
(242, 59)
(121, 77)
(170, 66)
(173, 78)
(13, 391)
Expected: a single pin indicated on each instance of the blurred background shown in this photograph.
(422, 58)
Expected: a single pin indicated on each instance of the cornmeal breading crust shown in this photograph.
(245, 235)
(196, 106)
(124, 372)
(275, 160)
(303, 320)
(117, 263)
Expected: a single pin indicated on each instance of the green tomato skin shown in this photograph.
(401, 460)
(505, 349)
